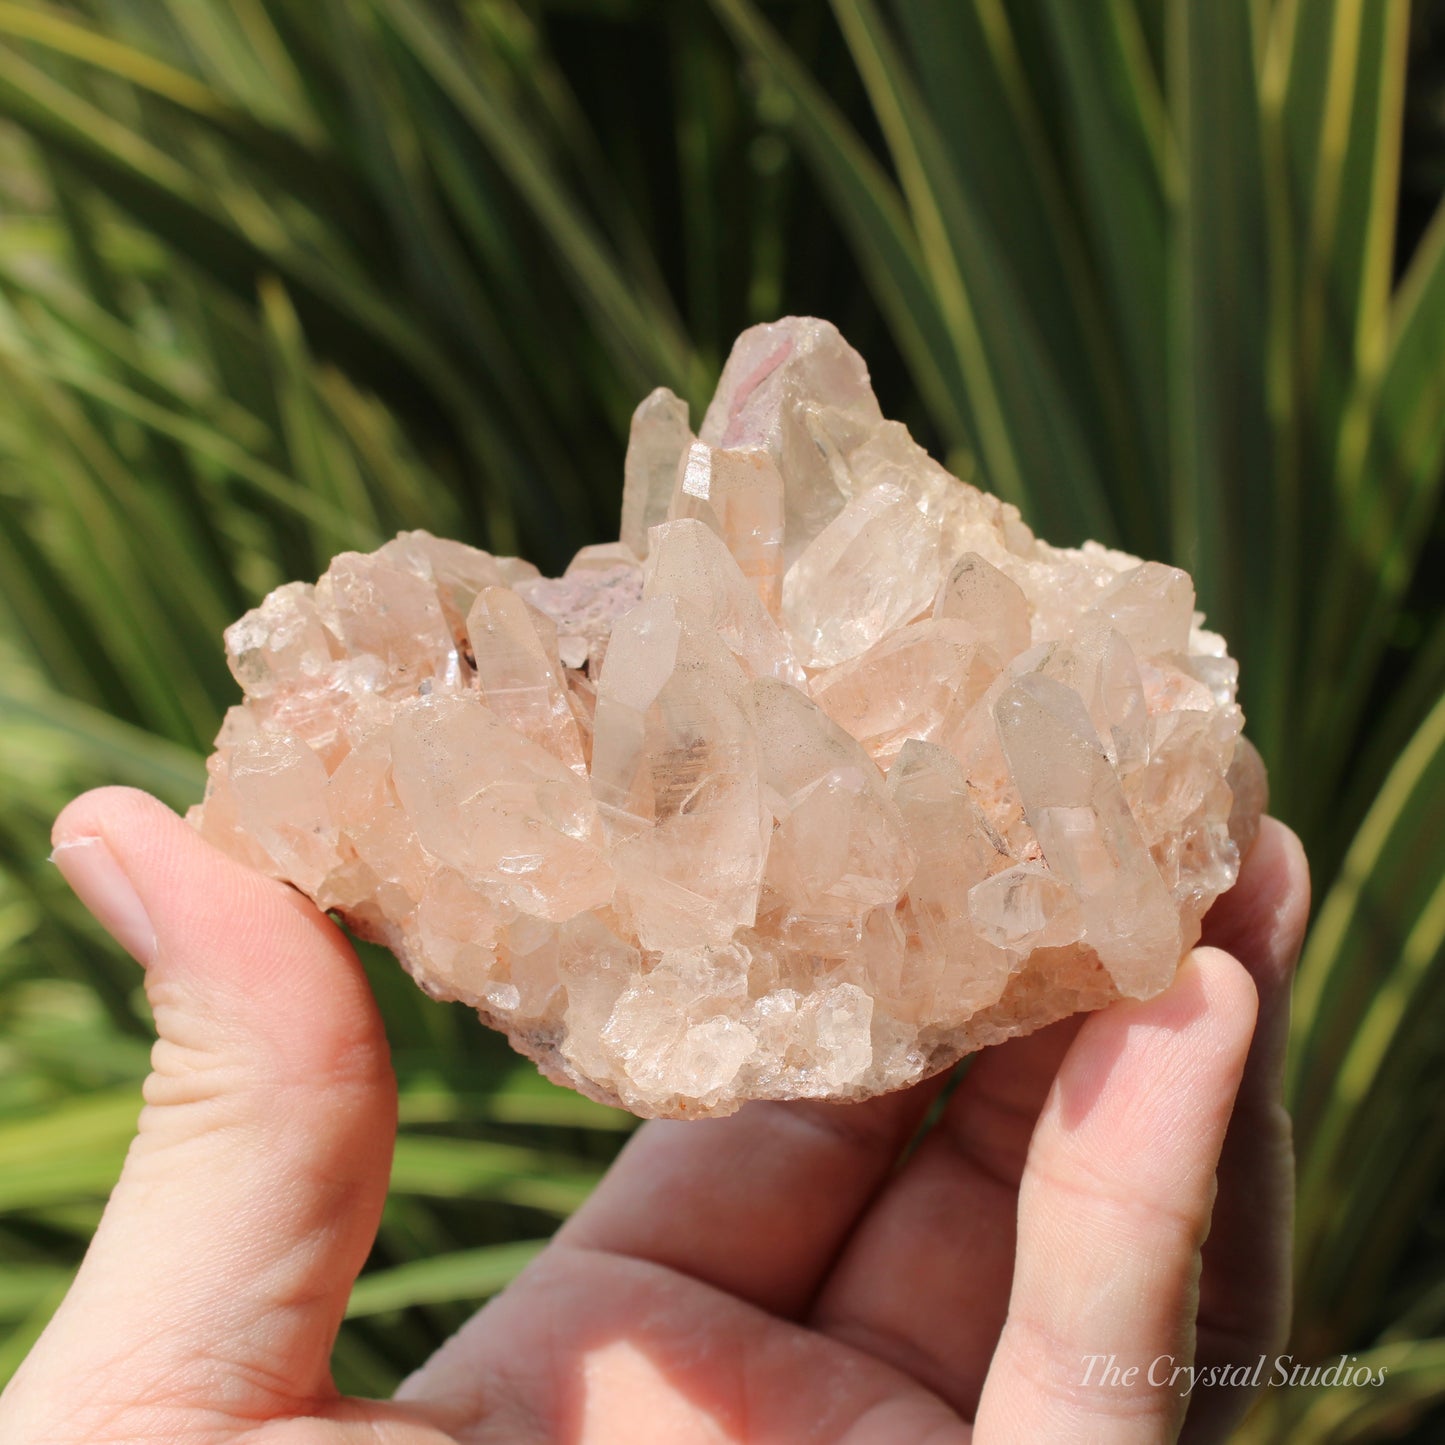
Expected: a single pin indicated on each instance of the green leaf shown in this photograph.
(1233, 504)
(1361, 1064)
(212, 446)
(1389, 489)
(648, 340)
(74, 1149)
(23, 1288)
(1031, 443)
(1343, 79)
(56, 32)
(470, 1274)
(105, 519)
(17, 1343)
(326, 469)
(233, 236)
(872, 211)
(984, 94)
(464, 1169)
(1127, 170)
(113, 749)
(524, 1098)
(1395, 1386)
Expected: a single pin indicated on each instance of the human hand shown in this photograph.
(774, 1276)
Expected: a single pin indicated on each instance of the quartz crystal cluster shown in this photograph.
(825, 774)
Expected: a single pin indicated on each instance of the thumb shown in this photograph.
(218, 1276)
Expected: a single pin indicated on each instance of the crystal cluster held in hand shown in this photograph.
(825, 774)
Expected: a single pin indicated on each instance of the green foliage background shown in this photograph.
(279, 277)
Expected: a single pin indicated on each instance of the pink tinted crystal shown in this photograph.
(826, 774)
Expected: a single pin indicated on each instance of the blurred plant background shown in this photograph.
(279, 277)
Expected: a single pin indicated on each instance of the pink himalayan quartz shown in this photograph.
(826, 774)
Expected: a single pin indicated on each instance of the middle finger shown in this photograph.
(924, 1280)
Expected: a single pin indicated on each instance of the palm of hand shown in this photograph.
(776, 1276)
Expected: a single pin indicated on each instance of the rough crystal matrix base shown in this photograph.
(826, 774)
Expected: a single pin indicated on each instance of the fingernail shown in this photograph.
(101, 884)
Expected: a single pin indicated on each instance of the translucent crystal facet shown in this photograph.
(825, 774)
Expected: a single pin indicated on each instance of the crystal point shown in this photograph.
(658, 444)
(739, 495)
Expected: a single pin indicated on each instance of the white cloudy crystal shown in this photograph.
(827, 773)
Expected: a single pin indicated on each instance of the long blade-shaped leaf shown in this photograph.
(1374, 970)
(1229, 527)
(240, 240)
(471, 1274)
(984, 99)
(1390, 488)
(1031, 444)
(464, 1169)
(871, 209)
(1343, 101)
(647, 338)
(1127, 169)
(114, 749)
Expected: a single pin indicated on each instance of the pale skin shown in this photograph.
(775, 1276)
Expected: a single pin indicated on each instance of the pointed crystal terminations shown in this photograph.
(824, 775)
(655, 449)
